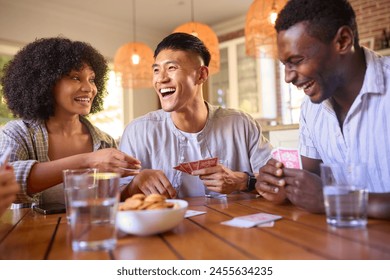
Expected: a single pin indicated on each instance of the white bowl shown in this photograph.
(148, 222)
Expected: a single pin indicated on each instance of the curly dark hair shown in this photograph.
(29, 78)
(184, 42)
(324, 17)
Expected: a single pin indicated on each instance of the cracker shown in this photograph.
(141, 202)
(154, 197)
(132, 204)
(139, 196)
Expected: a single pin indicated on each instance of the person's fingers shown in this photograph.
(292, 172)
(132, 160)
(264, 187)
(207, 170)
(171, 192)
(211, 183)
(270, 170)
(270, 180)
(163, 185)
(274, 163)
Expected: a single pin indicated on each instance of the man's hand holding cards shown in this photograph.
(288, 156)
(188, 167)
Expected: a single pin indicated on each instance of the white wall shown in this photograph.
(22, 21)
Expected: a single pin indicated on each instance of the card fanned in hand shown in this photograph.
(290, 157)
(188, 167)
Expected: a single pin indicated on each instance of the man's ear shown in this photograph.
(203, 73)
(344, 39)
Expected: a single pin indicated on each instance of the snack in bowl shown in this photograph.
(141, 202)
(146, 215)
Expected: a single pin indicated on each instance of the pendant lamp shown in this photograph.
(206, 35)
(133, 62)
(260, 34)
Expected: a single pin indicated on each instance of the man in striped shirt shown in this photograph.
(344, 117)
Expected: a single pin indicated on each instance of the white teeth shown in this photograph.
(167, 90)
(306, 86)
(83, 99)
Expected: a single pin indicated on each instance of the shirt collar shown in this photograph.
(374, 80)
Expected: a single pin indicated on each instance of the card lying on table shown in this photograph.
(252, 220)
(191, 213)
(188, 167)
(290, 157)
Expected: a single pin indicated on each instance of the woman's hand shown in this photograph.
(113, 160)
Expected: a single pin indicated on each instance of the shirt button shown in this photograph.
(181, 158)
(183, 138)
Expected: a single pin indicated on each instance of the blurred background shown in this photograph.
(245, 78)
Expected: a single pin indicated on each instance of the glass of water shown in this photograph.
(93, 212)
(74, 178)
(345, 194)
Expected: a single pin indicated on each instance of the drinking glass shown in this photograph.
(93, 212)
(345, 194)
(72, 178)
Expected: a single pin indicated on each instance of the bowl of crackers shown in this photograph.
(146, 215)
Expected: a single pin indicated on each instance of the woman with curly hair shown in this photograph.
(52, 84)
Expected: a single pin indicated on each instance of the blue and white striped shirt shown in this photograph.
(366, 128)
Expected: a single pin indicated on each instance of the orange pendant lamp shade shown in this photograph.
(133, 64)
(260, 35)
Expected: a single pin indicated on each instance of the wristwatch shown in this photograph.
(251, 182)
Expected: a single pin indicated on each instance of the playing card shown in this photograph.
(194, 165)
(275, 154)
(131, 170)
(290, 158)
(252, 220)
(187, 167)
(210, 162)
(180, 168)
(269, 224)
(191, 213)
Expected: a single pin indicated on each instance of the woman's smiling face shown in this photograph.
(74, 93)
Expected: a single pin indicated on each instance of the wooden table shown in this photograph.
(25, 234)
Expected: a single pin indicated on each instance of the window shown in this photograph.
(110, 119)
(5, 114)
(254, 85)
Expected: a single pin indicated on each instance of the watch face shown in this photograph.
(251, 182)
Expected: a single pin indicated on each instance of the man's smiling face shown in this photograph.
(175, 74)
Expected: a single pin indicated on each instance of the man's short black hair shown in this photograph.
(323, 17)
(184, 42)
